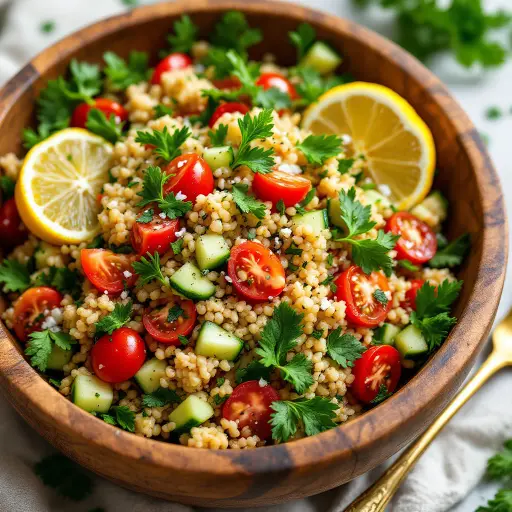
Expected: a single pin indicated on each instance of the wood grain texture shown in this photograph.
(309, 466)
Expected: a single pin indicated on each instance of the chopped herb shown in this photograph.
(218, 136)
(453, 254)
(162, 110)
(344, 348)
(146, 216)
(218, 400)
(330, 259)
(493, 113)
(125, 417)
(63, 279)
(109, 129)
(183, 339)
(120, 316)
(382, 395)
(408, 265)
(14, 276)
(41, 343)
(160, 397)
(7, 187)
(345, 165)
(121, 74)
(280, 207)
(247, 203)
(293, 267)
(220, 381)
(47, 27)
(164, 144)
(174, 313)
(317, 334)
(185, 35)
(148, 269)
(293, 249)
(300, 207)
(303, 38)
(55, 382)
(318, 148)
(255, 370)
(380, 296)
(177, 246)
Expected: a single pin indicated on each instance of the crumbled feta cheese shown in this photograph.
(124, 295)
(127, 274)
(57, 314)
(106, 292)
(48, 323)
(228, 279)
(384, 189)
(181, 232)
(325, 304)
(181, 196)
(290, 168)
(55, 328)
(181, 163)
(346, 138)
(271, 298)
(262, 382)
(162, 215)
(277, 242)
(286, 232)
(100, 366)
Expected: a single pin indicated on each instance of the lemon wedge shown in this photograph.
(56, 193)
(397, 144)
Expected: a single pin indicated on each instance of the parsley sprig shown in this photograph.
(247, 203)
(121, 416)
(109, 129)
(63, 279)
(184, 36)
(14, 276)
(318, 148)
(40, 345)
(279, 336)
(116, 319)
(369, 254)
(345, 349)
(314, 415)
(148, 269)
(160, 397)
(121, 74)
(165, 145)
(453, 254)
(303, 38)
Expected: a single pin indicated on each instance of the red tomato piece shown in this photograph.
(108, 271)
(269, 80)
(231, 83)
(32, 308)
(12, 230)
(172, 62)
(108, 107)
(154, 236)
(256, 272)
(357, 290)
(378, 366)
(118, 356)
(417, 242)
(225, 108)
(249, 405)
(410, 294)
(190, 175)
(156, 322)
(279, 185)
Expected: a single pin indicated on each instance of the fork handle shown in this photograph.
(376, 497)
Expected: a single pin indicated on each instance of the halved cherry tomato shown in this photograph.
(118, 356)
(190, 175)
(378, 366)
(256, 272)
(269, 80)
(279, 185)
(108, 107)
(232, 83)
(230, 107)
(108, 271)
(357, 290)
(12, 229)
(417, 242)
(32, 307)
(170, 63)
(249, 405)
(410, 294)
(155, 235)
(156, 323)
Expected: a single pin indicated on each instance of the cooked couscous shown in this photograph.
(221, 272)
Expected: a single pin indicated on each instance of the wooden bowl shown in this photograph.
(273, 474)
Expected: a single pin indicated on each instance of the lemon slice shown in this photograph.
(398, 146)
(60, 180)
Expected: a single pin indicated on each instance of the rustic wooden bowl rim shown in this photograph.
(392, 414)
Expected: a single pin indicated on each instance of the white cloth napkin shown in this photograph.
(448, 476)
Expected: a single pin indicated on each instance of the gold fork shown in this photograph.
(376, 497)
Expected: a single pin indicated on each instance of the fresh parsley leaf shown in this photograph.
(183, 339)
(122, 74)
(85, 81)
(430, 301)
(7, 187)
(148, 269)
(435, 329)
(318, 148)
(125, 417)
(345, 165)
(14, 276)
(218, 137)
(442, 241)
(408, 265)
(40, 345)
(300, 207)
(502, 502)
(273, 98)
(146, 216)
(218, 400)
(160, 397)
(315, 415)
(317, 334)
(107, 418)
(109, 129)
(174, 313)
(344, 348)
(357, 218)
(382, 395)
(172, 207)
(279, 336)
(294, 250)
(55, 382)
(280, 207)
(67, 478)
(330, 259)
(220, 381)
(120, 316)
(47, 27)
(499, 467)
(303, 38)
(185, 35)
(255, 370)
(233, 32)
(247, 203)
(166, 146)
(177, 246)
(312, 85)
(97, 243)
(161, 110)
(63, 279)
(257, 159)
(380, 296)
(453, 254)
(372, 254)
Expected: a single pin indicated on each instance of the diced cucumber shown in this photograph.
(321, 58)
(374, 197)
(58, 358)
(214, 341)
(386, 334)
(334, 212)
(190, 413)
(150, 373)
(318, 220)
(219, 157)
(92, 394)
(435, 205)
(212, 251)
(189, 281)
(411, 343)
